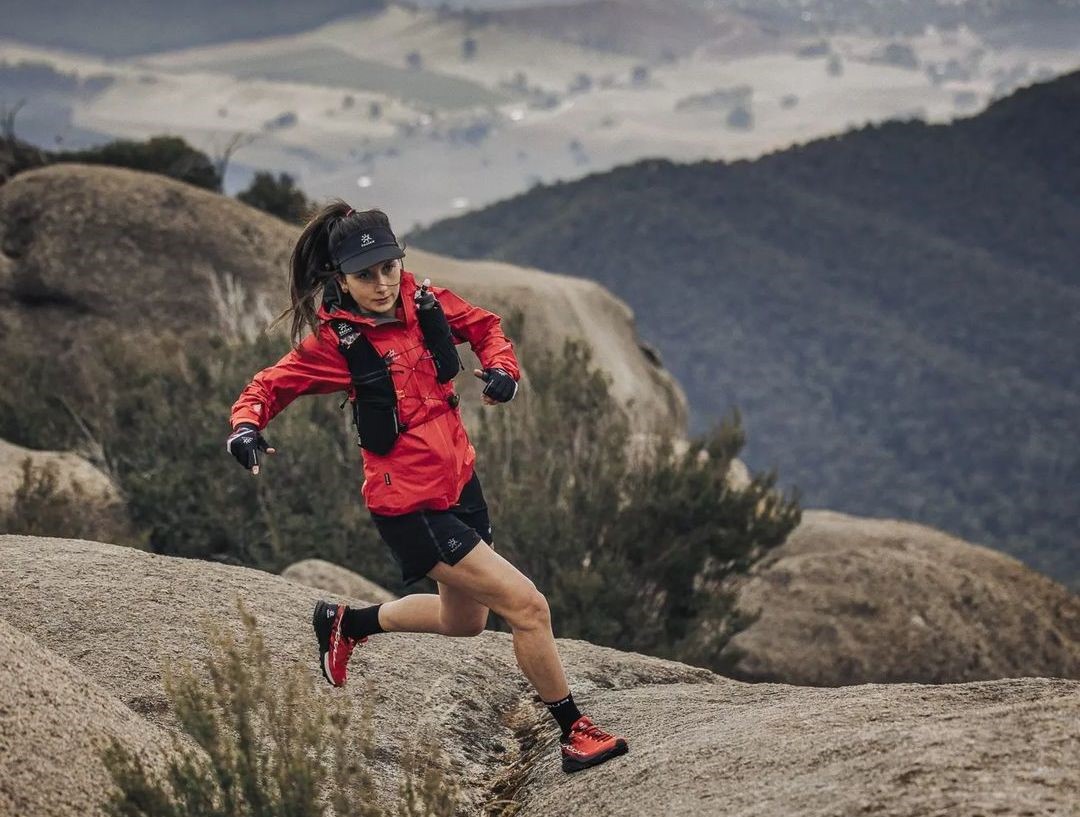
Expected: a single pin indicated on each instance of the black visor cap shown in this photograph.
(366, 248)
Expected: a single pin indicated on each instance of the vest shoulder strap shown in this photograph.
(359, 353)
(375, 413)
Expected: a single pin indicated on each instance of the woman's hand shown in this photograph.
(245, 443)
(500, 388)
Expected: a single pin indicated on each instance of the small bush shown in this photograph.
(278, 196)
(740, 118)
(282, 121)
(42, 508)
(261, 745)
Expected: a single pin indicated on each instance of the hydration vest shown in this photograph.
(375, 410)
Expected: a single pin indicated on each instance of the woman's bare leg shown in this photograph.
(492, 582)
(451, 612)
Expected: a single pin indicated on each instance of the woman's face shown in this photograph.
(376, 288)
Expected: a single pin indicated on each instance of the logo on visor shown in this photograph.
(366, 240)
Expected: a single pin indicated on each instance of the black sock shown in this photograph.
(361, 623)
(565, 712)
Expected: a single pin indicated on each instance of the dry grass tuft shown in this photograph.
(262, 745)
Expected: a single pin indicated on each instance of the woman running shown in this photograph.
(389, 342)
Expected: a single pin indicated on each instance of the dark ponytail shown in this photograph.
(312, 270)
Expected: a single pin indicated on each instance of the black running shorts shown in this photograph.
(422, 539)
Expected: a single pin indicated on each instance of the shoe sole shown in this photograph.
(323, 635)
(571, 765)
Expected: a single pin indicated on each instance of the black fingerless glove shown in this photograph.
(500, 387)
(245, 443)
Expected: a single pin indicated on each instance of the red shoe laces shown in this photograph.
(594, 732)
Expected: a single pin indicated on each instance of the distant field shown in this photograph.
(330, 67)
(122, 28)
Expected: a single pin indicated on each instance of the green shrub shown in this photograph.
(278, 196)
(158, 407)
(165, 155)
(630, 540)
(261, 745)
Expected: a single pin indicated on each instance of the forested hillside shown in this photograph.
(895, 310)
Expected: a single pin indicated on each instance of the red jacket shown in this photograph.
(433, 458)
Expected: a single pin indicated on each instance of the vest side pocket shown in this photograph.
(375, 413)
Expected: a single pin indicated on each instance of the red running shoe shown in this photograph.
(589, 745)
(334, 648)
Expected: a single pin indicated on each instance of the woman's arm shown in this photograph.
(482, 330)
(316, 367)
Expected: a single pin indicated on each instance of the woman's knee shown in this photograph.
(530, 610)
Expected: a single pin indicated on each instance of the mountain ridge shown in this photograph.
(897, 301)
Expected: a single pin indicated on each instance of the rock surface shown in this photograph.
(93, 245)
(700, 744)
(849, 600)
(71, 471)
(120, 613)
(66, 495)
(998, 747)
(338, 581)
(54, 722)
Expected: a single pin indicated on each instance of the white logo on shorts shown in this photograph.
(453, 544)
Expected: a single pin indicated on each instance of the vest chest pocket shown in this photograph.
(375, 410)
(375, 413)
